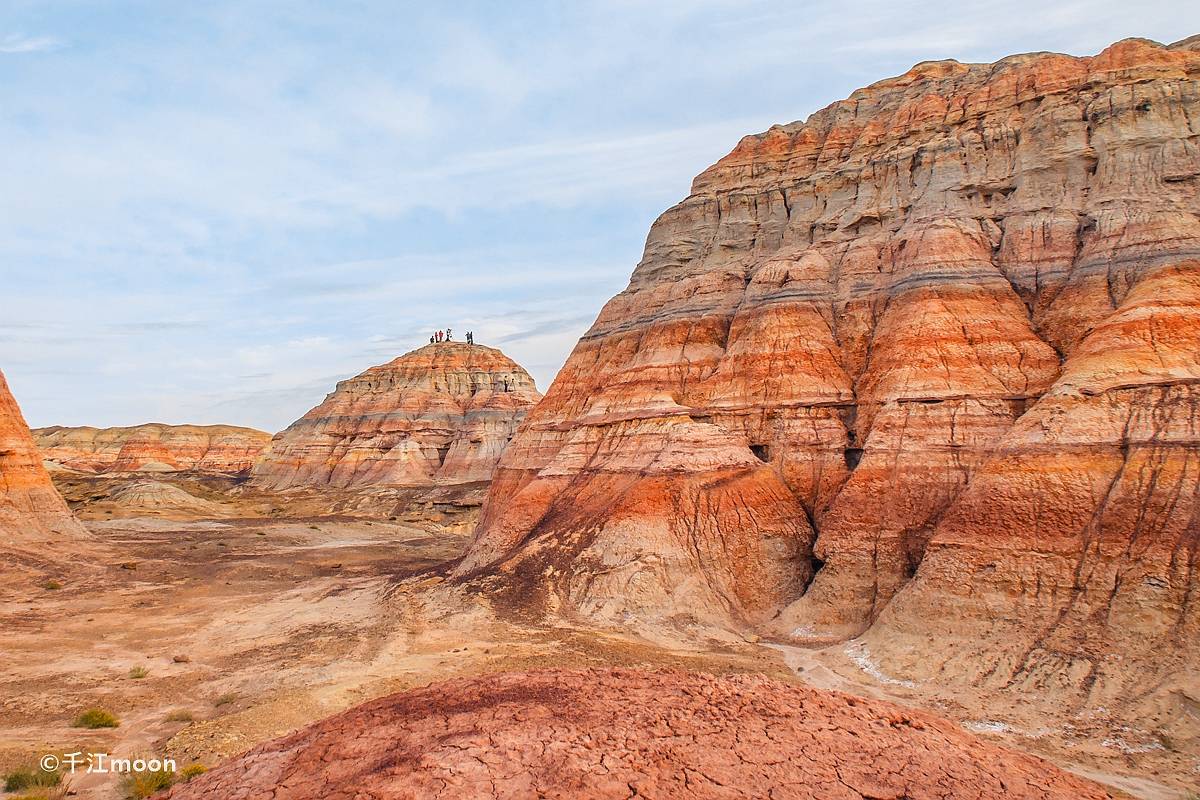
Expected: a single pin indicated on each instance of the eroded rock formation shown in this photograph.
(219, 449)
(155, 497)
(440, 415)
(32, 513)
(928, 361)
(626, 733)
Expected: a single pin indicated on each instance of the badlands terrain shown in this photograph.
(899, 407)
(222, 449)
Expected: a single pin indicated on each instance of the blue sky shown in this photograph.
(214, 211)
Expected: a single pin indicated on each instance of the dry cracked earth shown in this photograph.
(620, 733)
(252, 626)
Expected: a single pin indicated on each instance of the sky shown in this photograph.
(212, 212)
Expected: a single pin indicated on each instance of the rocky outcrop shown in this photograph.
(928, 361)
(438, 416)
(156, 497)
(32, 514)
(217, 449)
(626, 733)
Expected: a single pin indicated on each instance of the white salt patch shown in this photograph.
(1117, 743)
(858, 653)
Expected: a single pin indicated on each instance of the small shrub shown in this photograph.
(313, 528)
(180, 715)
(30, 778)
(137, 673)
(140, 785)
(96, 718)
(191, 771)
(52, 586)
(225, 699)
(49, 793)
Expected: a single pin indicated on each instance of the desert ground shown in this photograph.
(245, 623)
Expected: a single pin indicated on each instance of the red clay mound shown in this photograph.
(619, 733)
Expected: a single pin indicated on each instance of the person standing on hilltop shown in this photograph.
(431, 337)
(438, 335)
(447, 334)
(470, 337)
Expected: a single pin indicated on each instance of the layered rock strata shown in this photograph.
(626, 733)
(32, 513)
(438, 416)
(218, 449)
(155, 497)
(927, 361)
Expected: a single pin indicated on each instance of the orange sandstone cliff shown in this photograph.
(154, 447)
(926, 366)
(32, 514)
(438, 416)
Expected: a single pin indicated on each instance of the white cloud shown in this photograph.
(555, 173)
(470, 61)
(20, 43)
(221, 208)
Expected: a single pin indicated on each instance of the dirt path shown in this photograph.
(250, 628)
(835, 669)
(812, 670)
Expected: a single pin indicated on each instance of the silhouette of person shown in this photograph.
(431, 339)
(447, 334)
(470, 337)
(439, 335)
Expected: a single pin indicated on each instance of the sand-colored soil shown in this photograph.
(256, 626)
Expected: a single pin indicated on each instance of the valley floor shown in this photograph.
(247, 628)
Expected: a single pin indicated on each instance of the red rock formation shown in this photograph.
(1075, 548)
(222, 449)
(438, 415)
(32, 513)
(948, 328)
(625, 733)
